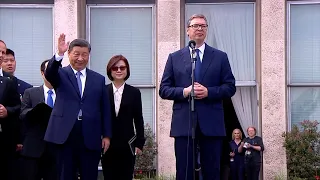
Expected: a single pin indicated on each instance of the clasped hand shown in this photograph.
(3, 111)
(200, 91)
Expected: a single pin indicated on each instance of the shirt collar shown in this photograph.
(46, 89)
(120, 90)
(83, 71)
(1, 73)
(201, 48)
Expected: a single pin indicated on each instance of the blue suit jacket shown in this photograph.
(95, 106)
(22, 86)
(215, 75)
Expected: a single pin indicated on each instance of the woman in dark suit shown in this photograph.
(236, 158)
(127, 122)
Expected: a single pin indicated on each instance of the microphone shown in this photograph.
(192, 45)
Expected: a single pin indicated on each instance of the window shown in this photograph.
(28, 31)
(236, 38)
(304, 61)
(126, 30)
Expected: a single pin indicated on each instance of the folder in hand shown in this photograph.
(40, 113)
(131, 145)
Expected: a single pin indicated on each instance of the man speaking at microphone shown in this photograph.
(214, 82)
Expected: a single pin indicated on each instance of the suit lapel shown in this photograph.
(88, 84)
(206, 61)
(124, 98)
(73, 79)
(2, 88)
(187, 59)
(111, 96)
(40, 91)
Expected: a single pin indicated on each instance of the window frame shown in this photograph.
(240, 83)
(288, 35)
(35, 6)
(153, 53)
(28, 2)
(218, 1)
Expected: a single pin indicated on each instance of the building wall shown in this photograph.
(168, 40)
(273, 86)
(65, 21)
(271, 43)
(272, 74)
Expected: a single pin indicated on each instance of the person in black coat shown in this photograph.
(9, 112)
(127, 122)
(38, 157)
(252, 147)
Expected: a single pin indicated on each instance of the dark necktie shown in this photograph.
(198, 67)
(50, 99)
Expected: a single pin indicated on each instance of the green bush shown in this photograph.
(302, 148)
(145, 166)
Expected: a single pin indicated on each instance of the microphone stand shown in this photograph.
(192, 110)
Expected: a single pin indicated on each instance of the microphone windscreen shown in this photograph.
(192, 44)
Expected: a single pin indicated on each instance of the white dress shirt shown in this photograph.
(117, 94)
(1, 73)
(45, 92)
(201, 49)
(83, 75)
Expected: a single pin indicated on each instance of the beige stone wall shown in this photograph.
(65, 21)
(168, 41)
(273, 85)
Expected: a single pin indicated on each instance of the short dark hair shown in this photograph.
(114, 60)
(201, 16)
(10, 52)
(43, 65)
(79, 43)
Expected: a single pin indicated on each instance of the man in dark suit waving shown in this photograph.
(214, 81)
(81, 114)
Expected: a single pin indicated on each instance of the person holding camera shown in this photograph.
(252, 146)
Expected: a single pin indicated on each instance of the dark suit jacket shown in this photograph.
(13, 78)
(215, 75)
(9, 98)
(95, 106)
(33, 144)
(22, 86)
(130, 111)
(17, 129)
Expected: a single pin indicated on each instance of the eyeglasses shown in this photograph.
(115, 68)
(197, 26)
